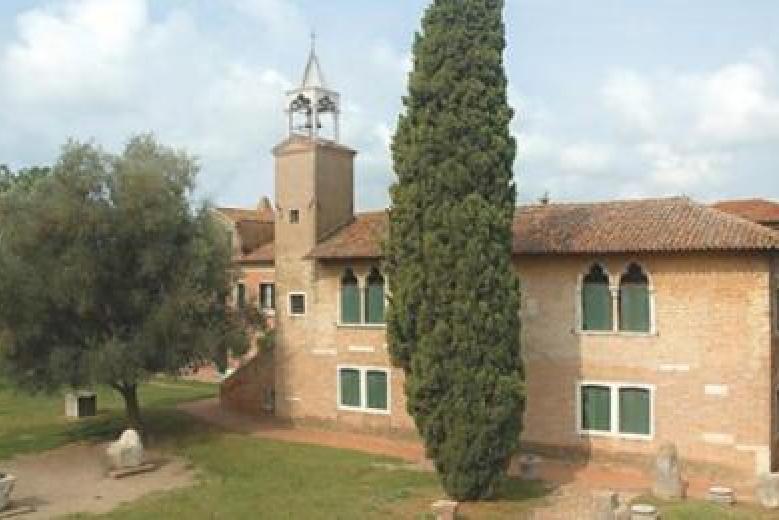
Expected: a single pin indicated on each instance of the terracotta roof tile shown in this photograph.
(757, 210)
(238, 214)
(650, 225)
(263, 254)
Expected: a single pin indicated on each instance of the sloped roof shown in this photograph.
(633, 226)
(263, 254)
(757, 210)
(237, 214)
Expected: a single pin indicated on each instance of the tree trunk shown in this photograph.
(130, 395)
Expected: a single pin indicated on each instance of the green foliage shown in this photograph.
(23, 179)
(453, 317)
(108, 275)
(32, 423)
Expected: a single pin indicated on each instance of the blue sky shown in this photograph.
(614, 99)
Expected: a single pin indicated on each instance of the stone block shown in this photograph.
(668, 483)
(767, 490)
(7, 483)
(445, 509)
(721, 495)
(643, 512)
(127, 452)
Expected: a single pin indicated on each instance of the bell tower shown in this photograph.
(314, 194)
(312, 107)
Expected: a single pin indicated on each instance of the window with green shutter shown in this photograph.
(596, 300)
(350, 387)
(596, 408)
(374, 298)
(241, 296)
(377, 389)
(635, 411)
(350, 298)
(634, 305)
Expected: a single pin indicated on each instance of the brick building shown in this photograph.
(643, 321)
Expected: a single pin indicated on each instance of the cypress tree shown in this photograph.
(453, 320)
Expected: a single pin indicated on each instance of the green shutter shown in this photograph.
(241, 295)
(377, 390)
(350, 387)
(596, 408)
(350, 303)
(374, 303)
(596, 307)
(634, 410)
(634, 308)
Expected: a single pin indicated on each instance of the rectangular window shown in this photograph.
(240, 296)
(350, 387)
(297, 304)
(596, 307)
(634, 308)
(374, 304)
(596, 408)
(350, 303)
(616, 409)
(634, 411)
(294, 216)
(377, 389)
(364, 389)
(267, 296)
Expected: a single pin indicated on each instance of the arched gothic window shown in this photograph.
(596, 300)
(374, 297)
(634, 304)
(350, 298)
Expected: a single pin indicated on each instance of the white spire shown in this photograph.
(313, 77)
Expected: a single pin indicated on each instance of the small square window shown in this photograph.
(294, 216)
(297, 304)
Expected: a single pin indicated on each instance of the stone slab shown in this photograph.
(13, 510)
(127, 472)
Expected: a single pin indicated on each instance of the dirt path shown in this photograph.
(73, 479)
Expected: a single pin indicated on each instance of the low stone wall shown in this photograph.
(250, 388)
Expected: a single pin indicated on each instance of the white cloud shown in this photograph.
(672, 171)
(738, 103)
(632, 99)
(279, 17)
(78, 49)
(586, 157)
(106, 70)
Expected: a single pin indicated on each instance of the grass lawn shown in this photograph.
(700, 510)
(245, 477)
(37, 423)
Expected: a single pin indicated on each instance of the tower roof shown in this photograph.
(313, 77)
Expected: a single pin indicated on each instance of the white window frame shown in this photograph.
(614, 289)
(614, 388)
(267, 310)
(361, 286)
(289, 304)
(363, 370)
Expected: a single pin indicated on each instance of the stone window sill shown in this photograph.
(622, 334)
(362, 326)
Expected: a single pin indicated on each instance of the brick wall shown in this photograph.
(708, 361)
